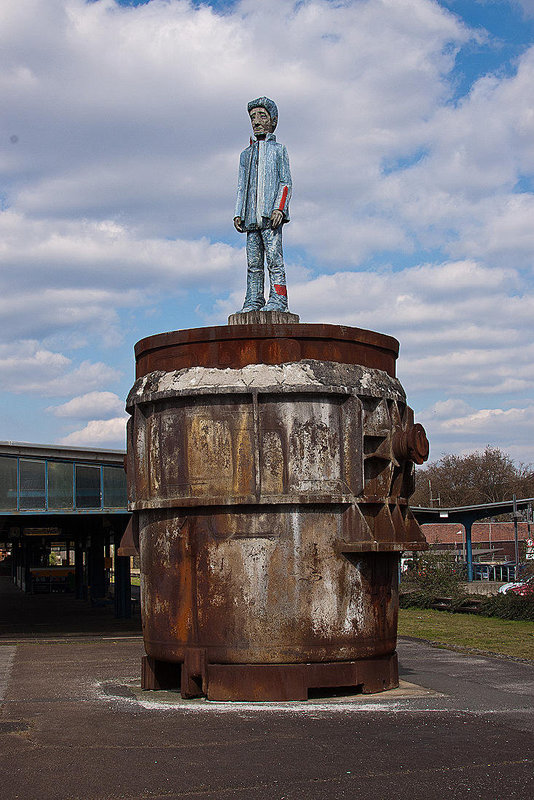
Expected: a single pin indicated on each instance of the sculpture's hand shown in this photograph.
(238, 224)
(276, 218)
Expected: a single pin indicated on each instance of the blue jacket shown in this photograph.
(264, 183)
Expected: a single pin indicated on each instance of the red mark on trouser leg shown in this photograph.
(281, 290)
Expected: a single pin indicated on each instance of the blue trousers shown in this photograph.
(265, 245)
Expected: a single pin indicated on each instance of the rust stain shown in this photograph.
(237, 345)
(209, 455)
(272, 473)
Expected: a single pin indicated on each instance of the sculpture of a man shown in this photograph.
(262, 207)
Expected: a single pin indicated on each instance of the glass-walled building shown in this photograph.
(59, 480)
(68, 505)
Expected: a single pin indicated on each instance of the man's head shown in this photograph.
(263, 115)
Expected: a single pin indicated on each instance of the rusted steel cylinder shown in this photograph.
(270, 502)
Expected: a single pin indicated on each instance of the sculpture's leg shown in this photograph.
(272, 240)
(254, 298)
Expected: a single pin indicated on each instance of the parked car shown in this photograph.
(523, 588)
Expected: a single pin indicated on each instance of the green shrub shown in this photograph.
(416, 599)
(508, 606)
(434, 574)
(437, 575)
(502, 606)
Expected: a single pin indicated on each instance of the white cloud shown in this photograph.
(26, 367)
(455, 426)
(501, 232)
(460, 331)
(76, 274)
(488, 420)
(97, 433)
(527, 6)
(149, 128)
(85, 406)
(459, 194)
(107, 254)
(445, 409)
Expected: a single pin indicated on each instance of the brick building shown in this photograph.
(497, 536)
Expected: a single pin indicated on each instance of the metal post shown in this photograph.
(78, 569)
(123, 583)
(15, 559)
(468, 549)
(28, 560)
(123, 587)
(516, 537)
(107, 554)
(97, 572)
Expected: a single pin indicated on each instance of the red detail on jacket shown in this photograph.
(282, 290)
(283, 200)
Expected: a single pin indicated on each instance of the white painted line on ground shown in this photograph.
(7, 654)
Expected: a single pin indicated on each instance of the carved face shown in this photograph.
(261, 121)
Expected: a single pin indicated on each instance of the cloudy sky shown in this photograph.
(410, 130)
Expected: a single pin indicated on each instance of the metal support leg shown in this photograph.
(123, 587)
(79, 588)
(468, 550)
(97, 571)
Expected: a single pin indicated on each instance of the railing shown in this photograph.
(494, 572)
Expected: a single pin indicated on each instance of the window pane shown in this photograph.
(87, 487)
(59, 485)
(8, 483)
(114, 487)
(32, 484)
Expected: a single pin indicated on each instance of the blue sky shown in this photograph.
(410, 130)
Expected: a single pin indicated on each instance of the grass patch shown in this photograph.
(507, 637)
(135, 580)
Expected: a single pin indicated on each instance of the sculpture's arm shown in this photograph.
(242, 180)
(283, 195)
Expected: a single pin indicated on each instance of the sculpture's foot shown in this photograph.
(247, 307)
(254, 301)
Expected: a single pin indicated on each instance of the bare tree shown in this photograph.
(481, 477)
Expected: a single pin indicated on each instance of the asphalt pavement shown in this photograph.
(75, 725)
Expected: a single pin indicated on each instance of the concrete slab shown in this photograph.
(334, 701)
